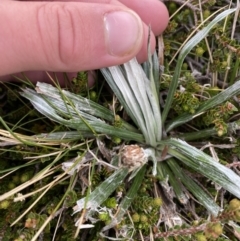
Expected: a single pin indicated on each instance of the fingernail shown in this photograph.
(123, 32)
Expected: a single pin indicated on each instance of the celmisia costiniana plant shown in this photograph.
(137, 89)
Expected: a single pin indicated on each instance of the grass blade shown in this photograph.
(211, 103)
(139, 97)
(202, 197)
(232, 127)
(72, 103)
(204, 164)
(76, 117)
(184, 52)
(127, 200)
(103, 191)
(175, 183)
(125, 95)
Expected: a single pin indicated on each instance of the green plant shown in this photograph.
(116, 184)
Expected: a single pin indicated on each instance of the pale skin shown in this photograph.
(70, 36)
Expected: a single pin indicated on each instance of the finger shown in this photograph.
(153, 13)
(157, 21)
(62, 36)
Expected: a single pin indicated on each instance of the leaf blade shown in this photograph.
(204, 164)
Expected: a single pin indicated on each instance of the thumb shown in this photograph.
(72, 36)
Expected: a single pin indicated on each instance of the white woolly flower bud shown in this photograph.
(133, 156)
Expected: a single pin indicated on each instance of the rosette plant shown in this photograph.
(147, 137)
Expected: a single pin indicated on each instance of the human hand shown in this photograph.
(78, 35)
